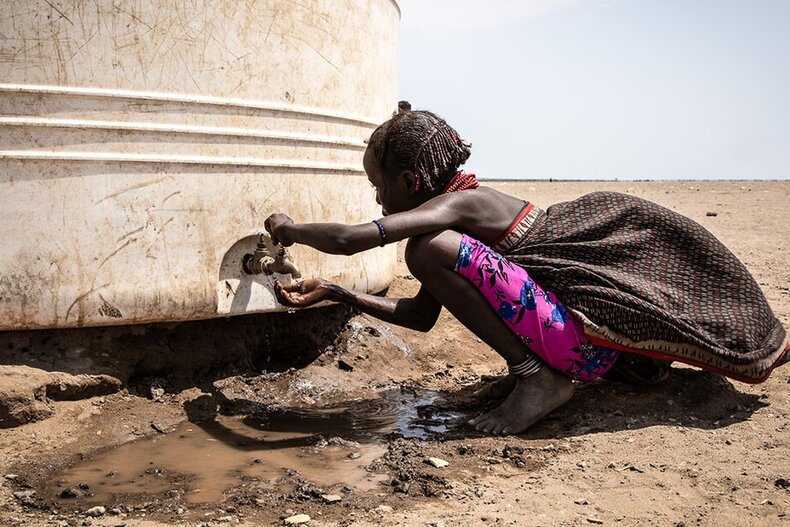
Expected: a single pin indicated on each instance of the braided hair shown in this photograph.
(421, 142)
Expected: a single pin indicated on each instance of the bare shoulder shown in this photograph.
(484, 212)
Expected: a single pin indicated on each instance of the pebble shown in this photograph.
(331, 498)
(596, 521)
(24, 494)
(581, 501)
(711, 213)
(157, 394)
(297, 519)
(159, 428)
(383, 509)
(354, 455)
(10, 477)
(95, 512)
(437, 462)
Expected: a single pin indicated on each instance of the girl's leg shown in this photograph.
(431, 259)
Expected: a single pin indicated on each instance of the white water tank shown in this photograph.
(141, 141)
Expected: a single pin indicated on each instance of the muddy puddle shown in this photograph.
(330, 447)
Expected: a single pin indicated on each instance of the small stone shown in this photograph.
(343, 365)
(383, 509)
(24, 494)
(582, 465)
(782, 483)
(354, 455)
(297, 519)
(680, 524)
(711, 213)
(70, 493)
(95, 512)
(596, 521)
(331, 498)
(10, 477)
(581, 501)
(766, 502)
(157, 394)
(437, 462)
(159, 428)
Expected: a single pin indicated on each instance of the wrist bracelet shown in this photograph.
(382, 232)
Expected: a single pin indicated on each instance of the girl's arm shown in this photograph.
(419, 313)
(438, 213)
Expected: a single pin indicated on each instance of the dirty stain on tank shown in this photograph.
(154, 140)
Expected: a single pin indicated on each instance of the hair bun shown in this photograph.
(404, 106)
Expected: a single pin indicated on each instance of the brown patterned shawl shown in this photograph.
(645, 279)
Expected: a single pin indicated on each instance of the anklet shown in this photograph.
(529, 367)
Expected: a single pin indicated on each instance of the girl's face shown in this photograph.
(391, 193)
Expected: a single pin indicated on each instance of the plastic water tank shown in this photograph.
(142, 144)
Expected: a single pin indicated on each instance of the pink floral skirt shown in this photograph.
(536, 316)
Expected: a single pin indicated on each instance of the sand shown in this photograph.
(699, 450)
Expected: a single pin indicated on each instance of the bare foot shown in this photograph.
(529, 402)
(497, 389)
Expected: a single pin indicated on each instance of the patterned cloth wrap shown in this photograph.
(643, 279)
(536, 316)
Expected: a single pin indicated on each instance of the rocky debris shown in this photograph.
(297, 519)
(383, 509)
(25, 392)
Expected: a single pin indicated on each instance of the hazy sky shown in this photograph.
(603, 89)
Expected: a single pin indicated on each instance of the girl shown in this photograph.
(605, 282)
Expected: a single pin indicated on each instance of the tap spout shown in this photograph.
(269, 258)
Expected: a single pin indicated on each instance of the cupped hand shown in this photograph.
(302, 294)
(277, 225)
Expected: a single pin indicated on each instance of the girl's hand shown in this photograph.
(302, 294)
(277, 225)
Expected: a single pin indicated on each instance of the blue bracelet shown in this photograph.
(382, 232)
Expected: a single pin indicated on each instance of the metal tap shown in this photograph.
(269, 258)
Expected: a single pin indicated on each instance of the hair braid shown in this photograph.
(422, 142)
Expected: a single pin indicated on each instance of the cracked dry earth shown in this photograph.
(353, 422)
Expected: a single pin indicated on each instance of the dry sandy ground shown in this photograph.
(697, 451)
